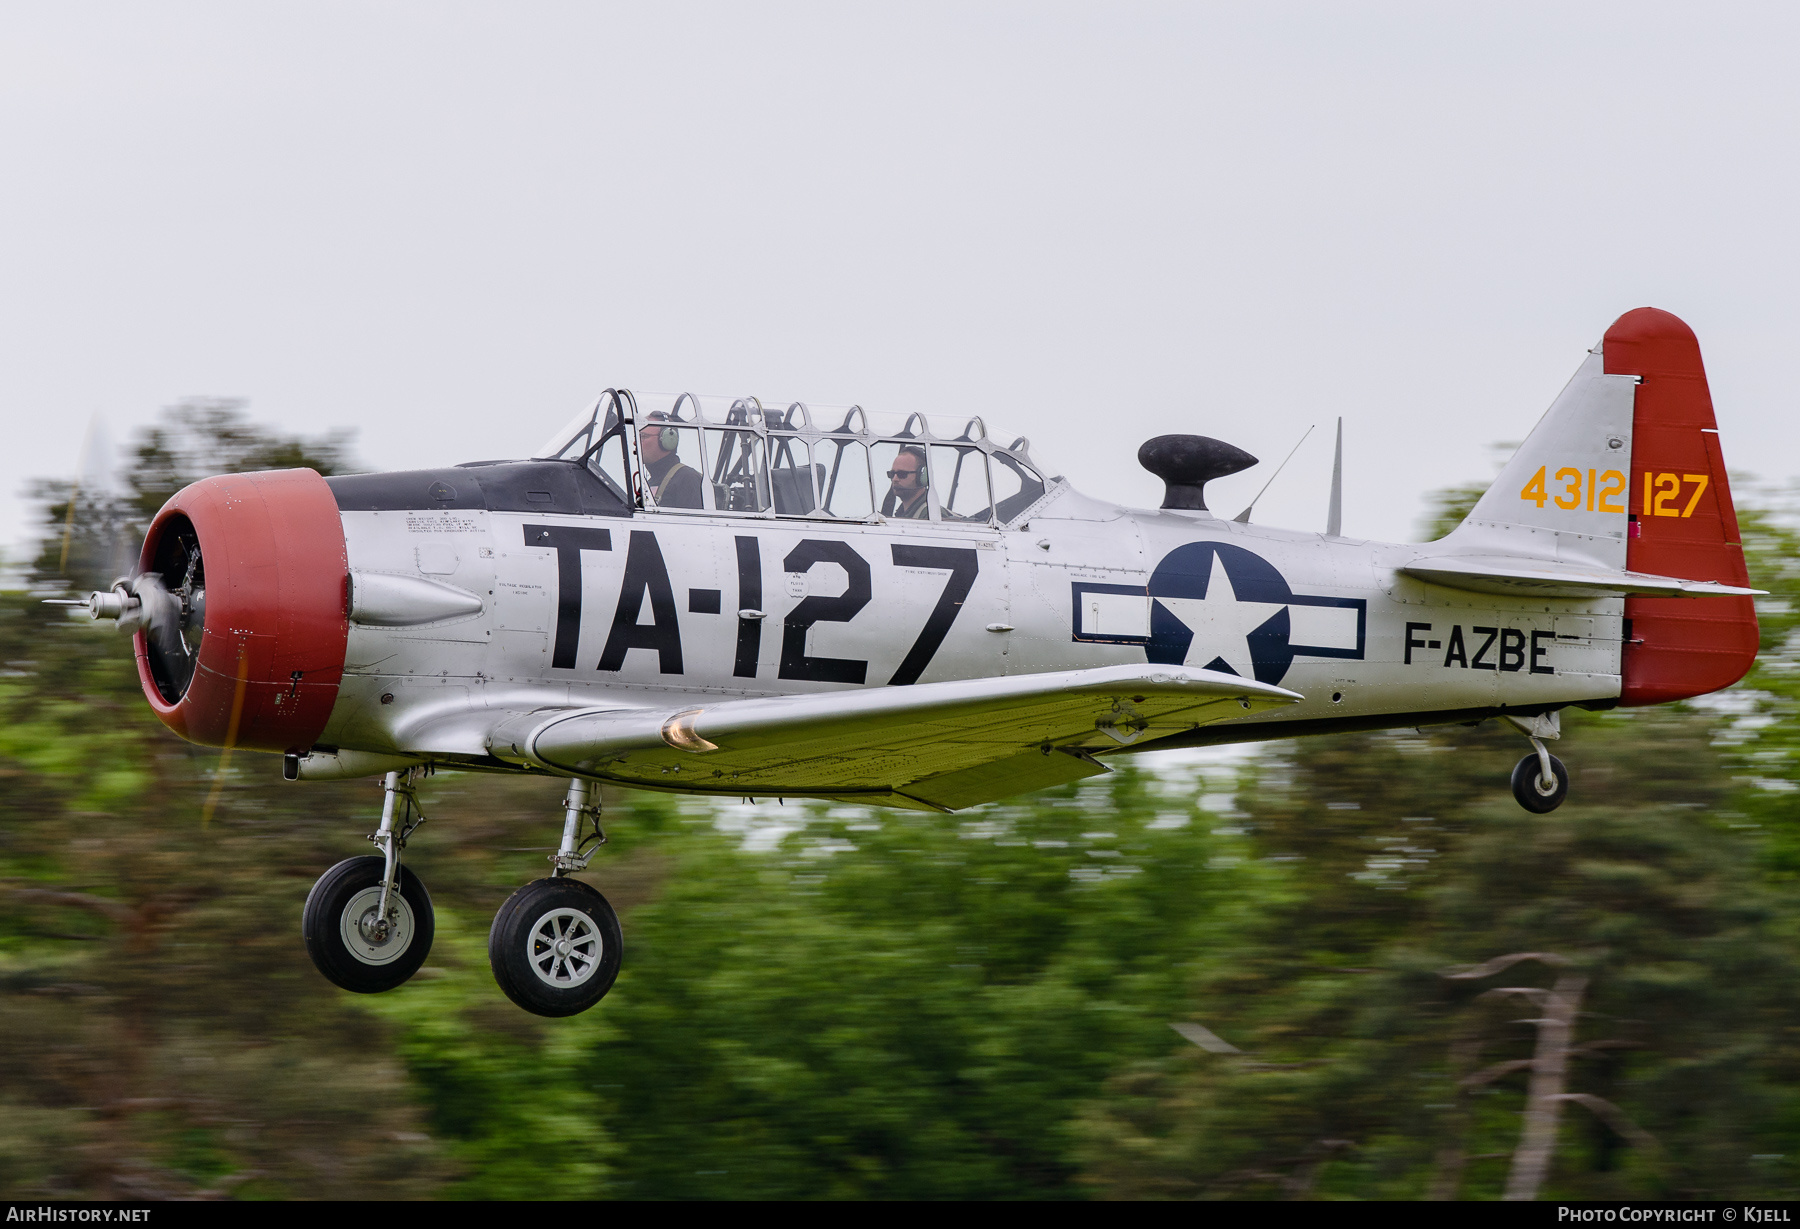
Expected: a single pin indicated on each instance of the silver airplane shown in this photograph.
(718, 596)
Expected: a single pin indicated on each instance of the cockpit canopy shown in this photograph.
(682, 452)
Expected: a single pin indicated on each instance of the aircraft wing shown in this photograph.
(1553, 578)
(934, 746)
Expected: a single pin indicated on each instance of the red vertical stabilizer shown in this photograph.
(1682, 521)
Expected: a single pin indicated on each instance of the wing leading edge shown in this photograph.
(934, 746)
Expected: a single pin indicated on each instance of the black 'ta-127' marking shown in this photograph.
(647, 575)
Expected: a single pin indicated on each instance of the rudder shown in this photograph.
(1682, 521)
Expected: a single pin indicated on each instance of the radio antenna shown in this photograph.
(1243, 518)
(1334, 513)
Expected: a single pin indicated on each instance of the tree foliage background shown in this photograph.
(832, 1002)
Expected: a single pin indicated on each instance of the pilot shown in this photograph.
(672, 484)
(907, 496)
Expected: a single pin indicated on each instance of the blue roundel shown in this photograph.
(1232, 617)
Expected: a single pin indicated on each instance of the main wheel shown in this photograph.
(343, 939)
(1528, 785)
(555, 947)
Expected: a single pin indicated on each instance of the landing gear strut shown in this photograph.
(368, 922)
(555, 944)
(1539, 781)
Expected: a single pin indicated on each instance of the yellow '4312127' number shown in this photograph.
(1602, 492)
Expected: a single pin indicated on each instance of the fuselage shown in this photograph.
(658, 607)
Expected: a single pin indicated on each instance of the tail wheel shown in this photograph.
(555, 947)
(343, 937)
(1529, 788)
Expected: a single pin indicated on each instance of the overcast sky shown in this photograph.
(450, 225)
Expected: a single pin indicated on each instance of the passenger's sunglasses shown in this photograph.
(903, 473)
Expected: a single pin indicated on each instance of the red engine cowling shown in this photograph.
(267, 552)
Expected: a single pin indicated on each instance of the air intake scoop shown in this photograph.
(1186, 463)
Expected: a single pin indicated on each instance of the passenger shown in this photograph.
(907, 491)
(672, 484)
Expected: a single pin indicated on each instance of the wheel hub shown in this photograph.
(375, 930)
(563, 948)
(371, 938)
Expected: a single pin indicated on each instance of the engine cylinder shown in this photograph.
(264, 555)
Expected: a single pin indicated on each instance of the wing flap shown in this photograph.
(1017, 774)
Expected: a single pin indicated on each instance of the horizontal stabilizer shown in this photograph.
(1550, 578)
(941, 746)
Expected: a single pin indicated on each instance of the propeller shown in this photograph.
(173, 620)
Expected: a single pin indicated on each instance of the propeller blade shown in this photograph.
(159, 613)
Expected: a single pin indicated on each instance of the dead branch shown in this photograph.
(1544, 1094)
(1535, 993)
(1500, 964)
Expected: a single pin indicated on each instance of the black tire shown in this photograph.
(339, 948)
(1527, 785)
(526, 947)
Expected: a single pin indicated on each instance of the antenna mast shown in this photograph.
(1334, 515)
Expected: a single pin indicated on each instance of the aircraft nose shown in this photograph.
(261, 561)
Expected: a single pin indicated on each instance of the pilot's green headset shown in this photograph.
(667, 438)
